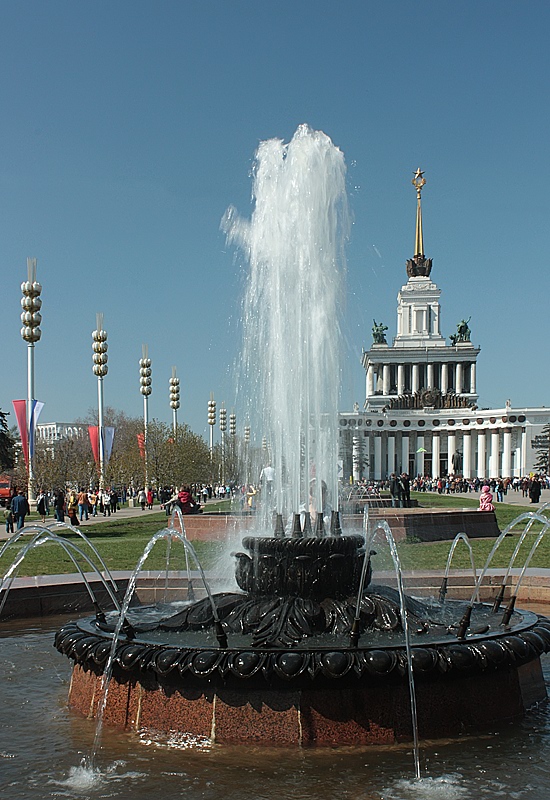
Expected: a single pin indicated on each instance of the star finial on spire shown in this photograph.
(418, 181)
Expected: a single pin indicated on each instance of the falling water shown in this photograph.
(294, 245)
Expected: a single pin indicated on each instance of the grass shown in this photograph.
(121, 543)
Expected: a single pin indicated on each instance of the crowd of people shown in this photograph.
(79, 504)
(400, 486)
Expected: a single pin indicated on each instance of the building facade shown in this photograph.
(421, 413)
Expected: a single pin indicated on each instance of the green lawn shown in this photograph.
(121, 542)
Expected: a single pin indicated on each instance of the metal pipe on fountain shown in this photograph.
(279, 532)
(509, 610)
(464, 623)
(296, 527)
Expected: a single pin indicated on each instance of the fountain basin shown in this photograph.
(316, 693)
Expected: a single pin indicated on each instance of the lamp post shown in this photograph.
(247, 453)
(174, 400)
(31, 333)
(145, 389)
(211, 422)
(223, 428)
(100, 368)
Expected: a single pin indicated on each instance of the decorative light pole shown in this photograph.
(174, 400)
(211, 422)
(31, 333)
(100, 368)
(145, 389)
(223, 428)
(247, 453)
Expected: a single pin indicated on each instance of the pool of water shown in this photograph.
(43, 745)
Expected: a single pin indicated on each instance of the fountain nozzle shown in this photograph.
(498, 599)
(99, 613)
(279, 532)
(335, 526)
(128, 629)
(296, 527)
(464, 623)
(355, 632)
(221, 635)
(508, 611)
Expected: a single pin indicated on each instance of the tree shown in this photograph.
(7, 444)
(541, 444)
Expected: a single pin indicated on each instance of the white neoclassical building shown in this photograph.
(421, 413)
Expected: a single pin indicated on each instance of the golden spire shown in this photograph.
(418, 182)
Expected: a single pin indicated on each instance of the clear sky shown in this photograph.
(127, 128)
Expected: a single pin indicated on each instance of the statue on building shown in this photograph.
(463, 332)
(379, 333)
(419, 267)
(456, 462)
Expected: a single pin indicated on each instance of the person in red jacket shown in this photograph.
(185, 501)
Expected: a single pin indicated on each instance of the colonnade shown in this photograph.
(387, 378)
(486, 453)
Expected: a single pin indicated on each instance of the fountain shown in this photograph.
(307, 650)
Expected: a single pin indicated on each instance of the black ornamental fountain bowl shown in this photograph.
(288, 660)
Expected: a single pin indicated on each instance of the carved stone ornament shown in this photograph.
(429, 398)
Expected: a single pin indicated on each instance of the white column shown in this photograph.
(430, 376)
(370, 380)
(444, 377)
(481, 455)
(357, 458)
(467, 454)
(459, 379)
(451, 450)
(405, 453)
(436, 454)
(494, 466)
(507, 453)
(400, 379)
(473, 378)
(523, 459)
(420, 455)
(391, 454)
(377, 458)
(415, 378)
(386, 379)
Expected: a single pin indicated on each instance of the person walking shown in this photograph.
(405, 490)
(534, 490)
(8, 516)
(42, 505)
(72, 508)
(142, 498)
(59, 506)
(92, 500)
(20, 509)
(83, 504)
(395, 491)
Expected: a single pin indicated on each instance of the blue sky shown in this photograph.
(128, 128)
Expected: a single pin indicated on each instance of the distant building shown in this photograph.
(420, 414)
(51, 432)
